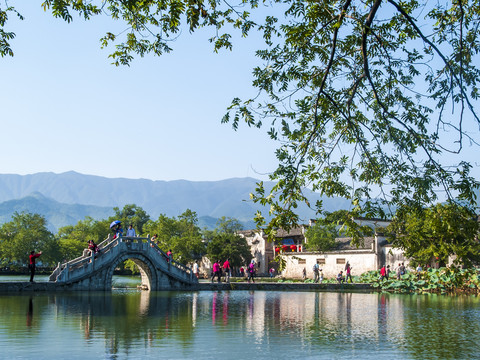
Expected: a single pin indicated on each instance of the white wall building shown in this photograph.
(371, 255)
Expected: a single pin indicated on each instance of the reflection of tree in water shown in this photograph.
(126, 321)
(441, 326)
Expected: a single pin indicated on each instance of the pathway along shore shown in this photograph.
(16, 286)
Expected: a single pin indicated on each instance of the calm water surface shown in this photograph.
(238, 325)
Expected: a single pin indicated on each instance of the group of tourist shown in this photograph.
(217, 271)
(94, 249)
(348, 274)
(385, 271)
(117, 229)
(317, 274)
(224, 270)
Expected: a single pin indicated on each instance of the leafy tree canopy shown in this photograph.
(435, 233)
(224, 243)
(73, 239)
(25, 233)
(228, 225)
(182, 236)
(365, 98)
(321, 236)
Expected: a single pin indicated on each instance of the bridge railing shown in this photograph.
(182, 267)
(78, 265)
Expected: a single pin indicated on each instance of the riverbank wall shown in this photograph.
(15, 287)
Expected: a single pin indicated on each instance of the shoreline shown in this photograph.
(45, 286)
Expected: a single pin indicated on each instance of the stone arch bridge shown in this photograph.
(95, 271)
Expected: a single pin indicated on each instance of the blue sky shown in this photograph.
(65, 107)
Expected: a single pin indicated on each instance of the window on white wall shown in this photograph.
(340, 261)
(302, 261)
(321, 261)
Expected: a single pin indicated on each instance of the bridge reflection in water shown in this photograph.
(244, 323)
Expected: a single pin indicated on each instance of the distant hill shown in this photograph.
(56, 214)
(209, 199)
(59, 215)
(210, 223)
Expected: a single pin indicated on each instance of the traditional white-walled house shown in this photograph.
(260, 248)
(371, 255)
(263, 251)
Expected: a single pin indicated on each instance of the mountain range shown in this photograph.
(66, 198)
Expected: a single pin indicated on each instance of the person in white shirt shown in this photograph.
(195, 269)
(131, 231)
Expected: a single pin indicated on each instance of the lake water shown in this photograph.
(238, 325)
(117, 281)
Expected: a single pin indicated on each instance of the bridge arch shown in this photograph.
(145, 265)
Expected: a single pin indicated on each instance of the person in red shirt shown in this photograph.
(216, 271)
(227, 269)
(383, 273)
(31, 264)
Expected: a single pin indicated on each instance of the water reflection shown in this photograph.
(30, 311)
(244, 323)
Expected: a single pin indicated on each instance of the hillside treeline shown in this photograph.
(28, 232)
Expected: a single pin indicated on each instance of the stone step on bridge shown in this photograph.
(95, 271)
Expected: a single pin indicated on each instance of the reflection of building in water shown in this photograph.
(358, 315)
(295, 306)
(354, 315)
(362, 314)
(214, 307)
(255, 321)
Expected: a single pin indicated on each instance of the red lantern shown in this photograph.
(293, 247)
(284, 247)
(299, 248)
(277, 249)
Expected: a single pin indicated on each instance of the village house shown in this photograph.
(372, 254)
(263, 251)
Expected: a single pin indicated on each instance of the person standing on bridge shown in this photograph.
(117, 229)
(119, 232)
(93, 247)
(31, 263)
(169, 255)
(131, 231)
